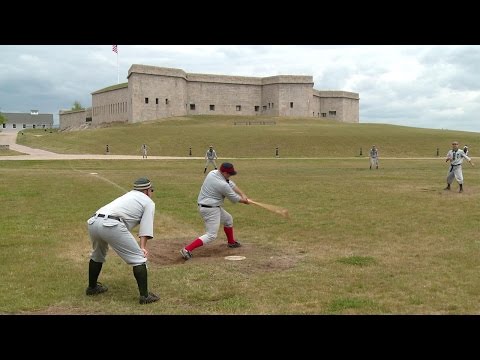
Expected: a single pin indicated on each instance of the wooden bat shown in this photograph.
(273, 208)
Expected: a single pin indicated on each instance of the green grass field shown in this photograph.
(358, 241)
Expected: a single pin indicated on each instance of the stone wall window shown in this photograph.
(239, 108)
(212, 107)
(332, 113)
(156, 101)
(166, 101)
(146, 100)
(257, 108)
(192, 106)
(291, 104)
(324, 114)
(264, 107)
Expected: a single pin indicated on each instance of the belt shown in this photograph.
(207, 206)
(109, 216)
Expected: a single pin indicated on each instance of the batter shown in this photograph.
(216, 186)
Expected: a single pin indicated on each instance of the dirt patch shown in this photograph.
(166, 253)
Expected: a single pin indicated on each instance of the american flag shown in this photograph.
(114, 48)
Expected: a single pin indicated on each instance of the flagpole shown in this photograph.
(118, 69)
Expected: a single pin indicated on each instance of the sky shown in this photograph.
(424, 86)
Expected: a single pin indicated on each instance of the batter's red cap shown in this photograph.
(228, 168)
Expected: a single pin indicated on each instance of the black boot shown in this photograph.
(461, 188)
(204, 171)
(140, 273)
(94, 287)
(448, 187)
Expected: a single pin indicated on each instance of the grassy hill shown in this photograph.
(295, 137)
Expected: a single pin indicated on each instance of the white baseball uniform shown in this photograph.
(210, 156)
(212, 194)
(111, 225)
(455, 169)
(373, 157)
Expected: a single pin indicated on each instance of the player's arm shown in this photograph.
(449, 157)
(143, 244)
(242, 194)
(468, 159)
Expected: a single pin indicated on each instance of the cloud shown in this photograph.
(423, 86)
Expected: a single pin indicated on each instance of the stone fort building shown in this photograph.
(158, 92)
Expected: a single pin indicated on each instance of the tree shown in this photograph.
(77, 106)
(3, 119)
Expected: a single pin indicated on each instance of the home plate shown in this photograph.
(93, 173)
(235, 257)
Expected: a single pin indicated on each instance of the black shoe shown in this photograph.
(187, 255)
(447, 188)
(236, 244)
(96, 290)
(149, 299)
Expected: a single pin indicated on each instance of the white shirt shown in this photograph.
(215, 188)
(457, 157)
(134, 208)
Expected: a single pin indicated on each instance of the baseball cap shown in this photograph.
(142, 184)
(228, 168)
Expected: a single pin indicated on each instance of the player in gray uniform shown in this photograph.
(216, 186)
(456, 156)
(144, 151)
(373, 154)
(210, 157)
(111, 225)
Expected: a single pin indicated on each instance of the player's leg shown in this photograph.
(450, 177)
(459, 176)
(126, 246)
(97, 258)
(227, 220)
(211, 219)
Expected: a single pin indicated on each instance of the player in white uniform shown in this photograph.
(216, 186)
(456, 156)
(144, 151)
(210, 157)
(373, 154)
(111, 225)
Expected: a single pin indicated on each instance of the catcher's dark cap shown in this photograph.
(142, 184)
(228, 168)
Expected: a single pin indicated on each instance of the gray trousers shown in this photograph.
(210, 161)
(456, 172)
(213, 217)
(104, 232)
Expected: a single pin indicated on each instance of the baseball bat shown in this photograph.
(273, 208)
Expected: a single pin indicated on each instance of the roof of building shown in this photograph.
(28, 118)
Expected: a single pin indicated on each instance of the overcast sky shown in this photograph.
(424, 86)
